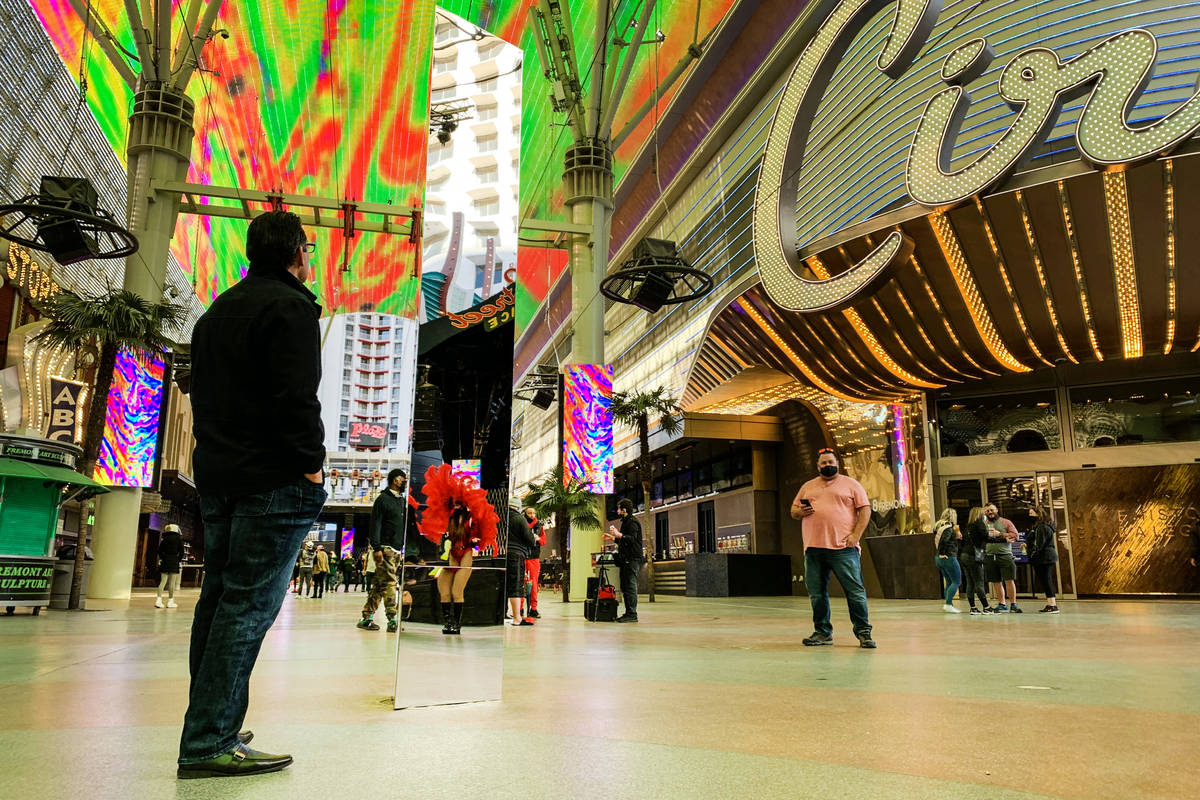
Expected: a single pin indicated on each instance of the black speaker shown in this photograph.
(543, 398)
(652, 292)
(65, 238)
(658, 249)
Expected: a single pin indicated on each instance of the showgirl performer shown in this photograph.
(457, 513)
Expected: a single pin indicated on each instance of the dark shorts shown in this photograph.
(514, 575)
(1000, 568)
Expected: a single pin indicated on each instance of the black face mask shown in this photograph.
(829, 470)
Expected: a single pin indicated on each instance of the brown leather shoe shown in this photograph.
(241, 761)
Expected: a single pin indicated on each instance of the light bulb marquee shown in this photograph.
(1036, 83)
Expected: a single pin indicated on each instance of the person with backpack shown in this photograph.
(970, 560)
(946, 536)
(1043, 555)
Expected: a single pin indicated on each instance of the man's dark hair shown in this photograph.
(272, 241)
(626, 504)
(396, 473)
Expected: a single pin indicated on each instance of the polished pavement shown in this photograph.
(705, 698)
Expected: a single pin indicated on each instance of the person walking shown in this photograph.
(946, 536)
(533, 564)
(520, 545)
(1043, 555)
(630, 554)
(349, 572)
(834, 512)
(970, 558)
(331, 581)
(391, 516)
(998, 559)
(308, 554)
(170, 553)
(258, 465)
(320, 571)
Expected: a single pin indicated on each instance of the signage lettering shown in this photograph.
(23, 271)
(367, 435)
(487, 311)
(64, 411)
(1036, 83)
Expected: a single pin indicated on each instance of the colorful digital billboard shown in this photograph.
(467, 468)
(129, 451)
(347, 543)
(588, 426)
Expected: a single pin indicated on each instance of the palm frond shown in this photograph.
(118, 318)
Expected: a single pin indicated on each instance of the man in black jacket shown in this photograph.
(629, 556)
(393, 537)
(520, 544)
(256, 363)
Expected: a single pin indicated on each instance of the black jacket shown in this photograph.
(947, 541)
(393, 524)
(1039, 544)
(629, 546)
(170, 552)
(520, 537)
(256, 365)
(975, 539)
(536, 530)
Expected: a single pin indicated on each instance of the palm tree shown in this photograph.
(571, 504)
(635, 409)
(106, 324)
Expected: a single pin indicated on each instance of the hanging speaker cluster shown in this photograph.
(64, 219)
(656, 276)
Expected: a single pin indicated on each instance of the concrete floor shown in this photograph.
(705, 698)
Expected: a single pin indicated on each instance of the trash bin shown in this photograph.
(60, 591)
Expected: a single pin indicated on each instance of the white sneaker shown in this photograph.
(158, 603)
(172, 604)
(951, 610)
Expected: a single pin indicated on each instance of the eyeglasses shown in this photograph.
(825, 450)
(309, 247)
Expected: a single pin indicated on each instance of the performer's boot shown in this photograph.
(447, 619)
(458, 615)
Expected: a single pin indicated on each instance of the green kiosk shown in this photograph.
(36, 478)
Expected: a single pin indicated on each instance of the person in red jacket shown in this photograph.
(533, 564)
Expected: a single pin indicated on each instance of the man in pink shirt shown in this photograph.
(834, 511)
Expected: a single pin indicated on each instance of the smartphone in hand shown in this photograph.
(805, 502)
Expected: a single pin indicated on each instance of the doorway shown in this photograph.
(706, 527)
(1013, 496)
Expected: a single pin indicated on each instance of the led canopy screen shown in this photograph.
(131, 423)
(588, 426)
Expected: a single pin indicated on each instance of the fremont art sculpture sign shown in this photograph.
(1110, 77)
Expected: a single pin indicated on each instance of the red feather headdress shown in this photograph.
(442, 490)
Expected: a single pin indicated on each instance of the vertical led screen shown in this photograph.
(588, 426)
(131, 423)
(347, 544)
(903, 485)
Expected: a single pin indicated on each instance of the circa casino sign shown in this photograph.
(1109, 77)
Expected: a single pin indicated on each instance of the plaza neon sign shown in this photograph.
(1035, 83)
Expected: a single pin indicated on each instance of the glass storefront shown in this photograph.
(1136, 413)
(1008, 423)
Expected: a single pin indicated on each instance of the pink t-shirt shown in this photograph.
(835, 504)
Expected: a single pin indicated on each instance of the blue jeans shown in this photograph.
(629, 586)
(250, 545)
(819, 562)
(952, 575)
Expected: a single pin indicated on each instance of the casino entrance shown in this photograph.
(1014, 495)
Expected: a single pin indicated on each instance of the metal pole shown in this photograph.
(618, 89)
